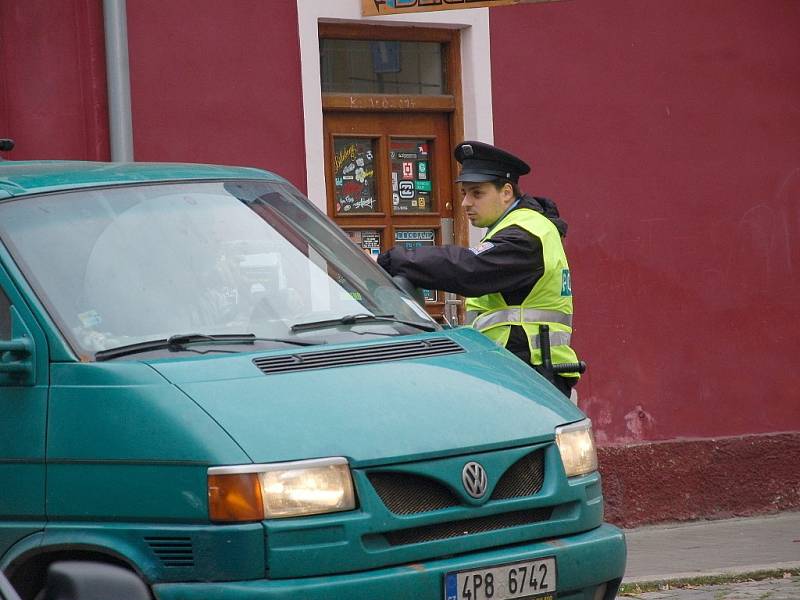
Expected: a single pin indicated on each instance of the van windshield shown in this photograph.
(124, 265)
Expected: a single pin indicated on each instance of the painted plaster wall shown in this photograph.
(219, 85)
(669, 132)
(52, 79)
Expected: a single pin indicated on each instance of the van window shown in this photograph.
(125, 265)
(5, 316)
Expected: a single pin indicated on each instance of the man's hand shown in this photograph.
(385, 261)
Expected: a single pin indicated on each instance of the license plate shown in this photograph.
(526, 579)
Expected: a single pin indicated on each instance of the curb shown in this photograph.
(653, 583)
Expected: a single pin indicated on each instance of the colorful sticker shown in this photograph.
(406, 190)
(424, 235)
(354, 176)
(369, 240)
(410, 161)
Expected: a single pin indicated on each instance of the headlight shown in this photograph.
(576, 444)
(273, 491)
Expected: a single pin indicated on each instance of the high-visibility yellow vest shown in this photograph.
(549, 301)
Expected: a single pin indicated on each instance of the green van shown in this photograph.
(203, 380)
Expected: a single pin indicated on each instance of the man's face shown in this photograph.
(484, 203)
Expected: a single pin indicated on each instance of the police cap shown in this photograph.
(484, 162)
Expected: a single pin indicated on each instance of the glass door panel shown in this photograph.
(369, 240)
(390, 181)
(354, 175)
(412, 187)
(416, 238)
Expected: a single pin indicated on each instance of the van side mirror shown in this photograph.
(17, 365)
(78, 580)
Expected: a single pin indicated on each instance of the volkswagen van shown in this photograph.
(204, 381)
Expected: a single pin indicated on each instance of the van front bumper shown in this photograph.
(584, 562)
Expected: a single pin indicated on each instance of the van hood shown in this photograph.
(385, 412)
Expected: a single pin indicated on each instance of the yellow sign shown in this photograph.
(371, 8)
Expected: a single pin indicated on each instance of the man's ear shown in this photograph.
(508, 193)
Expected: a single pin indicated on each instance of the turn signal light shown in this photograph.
(235, 497)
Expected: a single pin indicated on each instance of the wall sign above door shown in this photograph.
(371, 8)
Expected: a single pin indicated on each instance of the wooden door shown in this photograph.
(390, 181)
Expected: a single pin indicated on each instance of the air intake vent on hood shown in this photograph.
(362, 355)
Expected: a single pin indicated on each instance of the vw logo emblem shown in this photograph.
(474, 478)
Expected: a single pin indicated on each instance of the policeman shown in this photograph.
(517, 279)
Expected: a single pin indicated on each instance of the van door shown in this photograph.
(23, 413)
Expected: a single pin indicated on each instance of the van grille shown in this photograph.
(442, 531)
(374, 353)
(405, 494)
(408, 494)
(172, 551)
(524, 478)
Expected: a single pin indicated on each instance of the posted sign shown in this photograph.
(371, 8)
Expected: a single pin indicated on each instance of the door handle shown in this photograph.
(13, 355)
(17, 361)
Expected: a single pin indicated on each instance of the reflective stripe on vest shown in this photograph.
(516, 315)
(557, 338)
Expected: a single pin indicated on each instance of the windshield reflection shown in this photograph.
(125, 265)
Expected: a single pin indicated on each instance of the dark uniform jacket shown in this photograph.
(511, 264)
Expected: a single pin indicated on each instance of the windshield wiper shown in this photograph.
(357, 319)
(178, 342)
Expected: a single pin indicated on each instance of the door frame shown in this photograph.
(476, 108)
(449, 103)
(380, 130)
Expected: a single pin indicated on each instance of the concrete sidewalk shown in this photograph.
(712, 548)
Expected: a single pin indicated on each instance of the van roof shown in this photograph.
(19, 178)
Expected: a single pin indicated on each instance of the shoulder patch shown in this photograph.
(482, 247)
(566, 283)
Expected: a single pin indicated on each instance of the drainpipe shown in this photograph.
(119, 81)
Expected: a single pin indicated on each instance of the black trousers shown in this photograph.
(518, 344)
(563, 384)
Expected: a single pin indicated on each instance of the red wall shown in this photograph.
(669, 132)
(217, 84)
(52, 79)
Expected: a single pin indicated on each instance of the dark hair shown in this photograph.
(500, 183)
